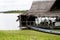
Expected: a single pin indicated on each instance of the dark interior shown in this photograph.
(31, 20)
(23, 20)
(27, 20)
(57, 19)
(56, 6)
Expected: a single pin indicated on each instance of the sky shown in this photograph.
(6, 5)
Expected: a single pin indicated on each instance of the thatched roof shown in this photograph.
(42, 8)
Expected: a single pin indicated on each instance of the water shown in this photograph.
(8, 22)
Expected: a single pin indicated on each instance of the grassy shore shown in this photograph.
(27, 35)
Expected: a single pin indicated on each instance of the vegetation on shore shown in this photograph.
(27, 35)
(15, 11)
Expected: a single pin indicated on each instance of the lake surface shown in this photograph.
(8, 22)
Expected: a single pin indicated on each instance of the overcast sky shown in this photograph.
(15, 4)
(6, 5)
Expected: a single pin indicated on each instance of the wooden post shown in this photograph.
(20, 25)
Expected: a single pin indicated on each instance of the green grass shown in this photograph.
(27, 35)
